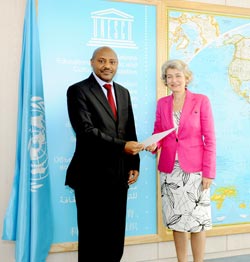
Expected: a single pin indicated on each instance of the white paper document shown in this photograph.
(157, 137)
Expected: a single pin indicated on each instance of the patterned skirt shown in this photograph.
(185, 206)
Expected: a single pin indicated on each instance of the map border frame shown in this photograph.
(182, 6)
(162, 7)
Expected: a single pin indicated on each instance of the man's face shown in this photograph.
(105, 64)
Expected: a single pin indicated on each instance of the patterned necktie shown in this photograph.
(110, 98)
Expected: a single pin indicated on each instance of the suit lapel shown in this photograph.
(187, 109)
(119, 101)
(168, 112)
(97, 91)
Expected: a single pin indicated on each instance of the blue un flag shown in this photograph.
(28, 220)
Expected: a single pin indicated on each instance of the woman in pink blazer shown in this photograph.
(187, 161)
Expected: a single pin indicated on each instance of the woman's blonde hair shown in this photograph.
(179, 65)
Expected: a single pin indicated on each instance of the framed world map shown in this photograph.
(215, 42)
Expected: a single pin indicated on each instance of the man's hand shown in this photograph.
(133, 176)
(133, 147)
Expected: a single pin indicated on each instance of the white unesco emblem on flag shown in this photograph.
(37, 144)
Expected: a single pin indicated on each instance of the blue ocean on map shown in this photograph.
(232, 123)
(213, 51)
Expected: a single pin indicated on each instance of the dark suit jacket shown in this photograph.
(98, 171)
(100, 139)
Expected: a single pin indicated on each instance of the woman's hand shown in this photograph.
(151, 148)
(206, 182)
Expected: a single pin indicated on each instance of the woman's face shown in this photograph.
(175, 80)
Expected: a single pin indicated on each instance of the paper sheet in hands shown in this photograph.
(156, 137)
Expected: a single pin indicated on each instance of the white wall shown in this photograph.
(11, 22)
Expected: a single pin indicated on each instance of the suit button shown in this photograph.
(176, 139)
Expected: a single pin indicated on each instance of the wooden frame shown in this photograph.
(161, 29)
(163, 233)
(160, 56)
(161, 91)
(220, 230)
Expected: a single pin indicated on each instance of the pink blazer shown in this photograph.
(195, 141)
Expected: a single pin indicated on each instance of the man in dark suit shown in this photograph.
(105, 161)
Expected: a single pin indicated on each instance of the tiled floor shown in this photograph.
(242, 258)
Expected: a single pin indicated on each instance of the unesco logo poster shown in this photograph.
(69, 32)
